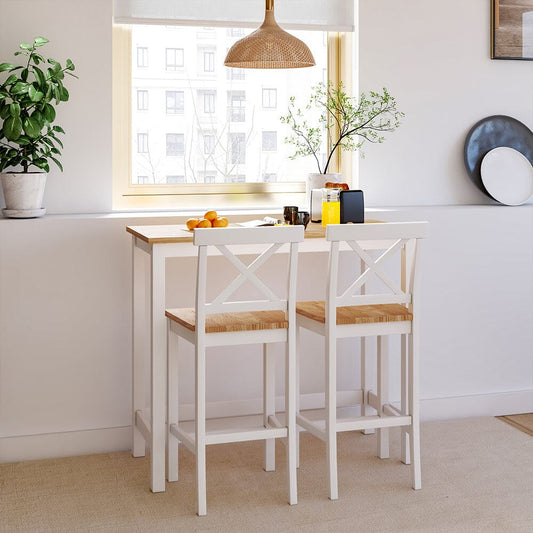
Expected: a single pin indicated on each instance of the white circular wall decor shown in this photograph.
(507, 175)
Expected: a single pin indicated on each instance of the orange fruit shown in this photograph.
(192, 223)
(220, 222)
(210, 215)
(204, 223)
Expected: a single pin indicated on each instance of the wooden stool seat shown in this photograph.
(355, 314)
(226, 322)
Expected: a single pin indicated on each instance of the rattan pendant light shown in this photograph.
(269, 47)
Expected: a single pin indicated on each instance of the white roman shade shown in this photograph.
(327, 15)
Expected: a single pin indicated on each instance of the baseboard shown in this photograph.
(65, 444)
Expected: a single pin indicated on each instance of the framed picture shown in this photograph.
(512, 29)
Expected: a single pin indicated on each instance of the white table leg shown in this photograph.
(139, 345)
(158, 370)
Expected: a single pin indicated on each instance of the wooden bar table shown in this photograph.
(151, 247)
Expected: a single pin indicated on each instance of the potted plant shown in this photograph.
(29, 141)
(346, 121)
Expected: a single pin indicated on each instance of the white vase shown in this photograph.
(318, 181)
(23, 194)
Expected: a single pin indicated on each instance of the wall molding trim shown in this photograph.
(116, 439)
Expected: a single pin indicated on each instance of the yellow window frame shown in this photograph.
(189, 196)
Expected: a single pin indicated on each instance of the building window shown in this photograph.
(238, 178)
(209, 144)
(238, 148)
(141, 180)
(175, 102)
(142, 56)
(208, 99)
(174, 58)
(142, 100)
(236, 73)
(270, 177)
(270, 141)
(209, 178)
(175, 144)
(270, 98)
(236, 106)
(142, 143)
(209, 61)
(175, 179)
(235, 32)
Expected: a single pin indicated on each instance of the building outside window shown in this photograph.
(270, 141)
(142, 100)
(269, 177)
(208, 101)
(142, 56)
(270, 98)
(174, 58)
(142, 143)
(209, 144)
(209, 61)
(236, 73)
(238, 148)
(236, 106)
(175, 102)
(142, 180)
(175, 144)
(175, 179)
(209, 178)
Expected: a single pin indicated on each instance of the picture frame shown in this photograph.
(512, 29)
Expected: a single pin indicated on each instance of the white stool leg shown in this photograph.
(404, 403)
(383, 393)
(200, 428)
(331, 415)
(365, 407)
(297, 393)
(414, 440)
(173, 407)
(290, 413)
(269, 407)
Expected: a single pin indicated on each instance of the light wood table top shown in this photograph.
(176, 233)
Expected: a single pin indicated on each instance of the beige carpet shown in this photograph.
(477, 476)
(522, 422)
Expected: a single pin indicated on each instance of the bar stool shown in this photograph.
(222, 322)
(351, 310)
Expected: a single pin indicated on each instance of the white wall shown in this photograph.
(434, 57)
(65, 318)
(80, 31)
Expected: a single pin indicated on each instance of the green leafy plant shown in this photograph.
(346, 121)
(28, 97)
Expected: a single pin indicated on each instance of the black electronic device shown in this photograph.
(352, 207)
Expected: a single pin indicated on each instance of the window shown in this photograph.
(238, 148)
(141, 180)
(209, 61)
(208, 99)
(175, 102)
(175, 144)
(142, 100)
(174, 58)
(142, 143)
(270, 98)
(235, 32)
(209, 144)
(236, 106)
(270, 141)
(236, 73)
(175, 179)
(142, 56)
(220, 132)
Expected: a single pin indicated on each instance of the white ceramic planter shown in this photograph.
(23, 194)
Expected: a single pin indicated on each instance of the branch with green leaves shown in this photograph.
(345, 121)
(28, 97)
